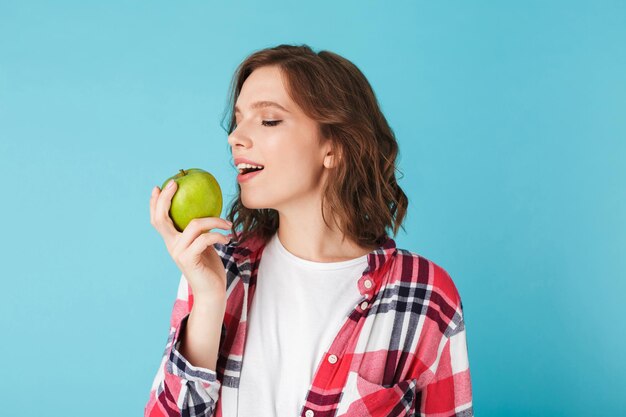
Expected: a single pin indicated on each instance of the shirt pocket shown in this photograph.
(363, 398)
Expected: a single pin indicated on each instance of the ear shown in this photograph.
(332, 158)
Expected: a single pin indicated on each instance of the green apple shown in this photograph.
(198, 194)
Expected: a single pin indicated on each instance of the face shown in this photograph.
(285, 142)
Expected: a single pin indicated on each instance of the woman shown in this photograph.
(307, 307)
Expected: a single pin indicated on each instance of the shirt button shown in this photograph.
(364, 305)
(309, 413)
(368, 283)
(331, 359)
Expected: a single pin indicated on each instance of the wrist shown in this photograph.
(208, 302)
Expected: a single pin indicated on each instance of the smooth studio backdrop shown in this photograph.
(511, 121)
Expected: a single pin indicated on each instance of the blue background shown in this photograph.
(511, 122)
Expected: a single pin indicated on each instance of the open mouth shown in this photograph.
(247, 173)
(244, 171)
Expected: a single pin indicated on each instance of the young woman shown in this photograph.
(308, 308)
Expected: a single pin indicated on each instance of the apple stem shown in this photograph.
(182, 172)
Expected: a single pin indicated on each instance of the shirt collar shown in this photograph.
(251, 248)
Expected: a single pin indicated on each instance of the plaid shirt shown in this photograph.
(401, 352)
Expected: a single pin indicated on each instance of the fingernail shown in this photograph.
(170, 184)
(154, 189)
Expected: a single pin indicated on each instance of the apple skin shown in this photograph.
(198, 194)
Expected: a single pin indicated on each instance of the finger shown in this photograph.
(161, 217)
(202, 242)
(198, 226)
(153, 200)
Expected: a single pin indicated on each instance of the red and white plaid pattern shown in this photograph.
(402, 351)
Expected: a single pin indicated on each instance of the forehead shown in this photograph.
(263, 88)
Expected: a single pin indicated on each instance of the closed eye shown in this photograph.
(266, 123)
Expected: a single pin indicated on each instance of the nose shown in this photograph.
(238, 138)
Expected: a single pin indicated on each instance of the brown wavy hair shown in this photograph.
(362, 193)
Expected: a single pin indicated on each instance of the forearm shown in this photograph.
(200, 341)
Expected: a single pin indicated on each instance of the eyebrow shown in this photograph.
(263, 104)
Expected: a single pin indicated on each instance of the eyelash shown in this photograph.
(270, 123)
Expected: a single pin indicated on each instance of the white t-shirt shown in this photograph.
(296, 312)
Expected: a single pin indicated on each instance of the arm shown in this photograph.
(200, 338)
(180, 387)
(449, 392)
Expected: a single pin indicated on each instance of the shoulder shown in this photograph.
(430, 290)
(424, 273)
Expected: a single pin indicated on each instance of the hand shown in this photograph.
(192, 250)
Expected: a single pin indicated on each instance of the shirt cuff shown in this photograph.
(179, 366)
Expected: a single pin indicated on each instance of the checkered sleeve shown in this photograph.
(179, 388)
(449, 392)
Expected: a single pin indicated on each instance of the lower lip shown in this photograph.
(249, 176)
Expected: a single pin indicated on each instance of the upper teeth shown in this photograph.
(242, 166)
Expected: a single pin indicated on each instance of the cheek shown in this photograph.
(290, 178)
(301, 171)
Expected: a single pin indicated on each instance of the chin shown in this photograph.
(251, 203)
